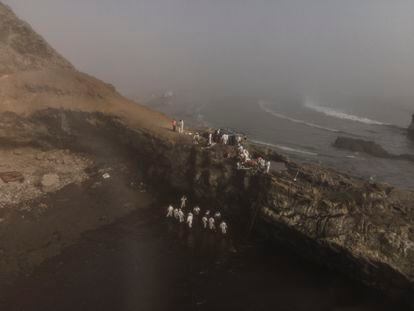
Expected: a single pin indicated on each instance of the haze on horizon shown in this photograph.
(330, 50)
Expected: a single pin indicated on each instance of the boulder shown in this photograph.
(360, 145)
(369, 147)
(50, 182)
(14, 176)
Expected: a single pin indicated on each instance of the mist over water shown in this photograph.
(353, 55)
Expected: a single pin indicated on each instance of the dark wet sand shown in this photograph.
(143, 262)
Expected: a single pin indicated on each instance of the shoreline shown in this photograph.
(327, 217)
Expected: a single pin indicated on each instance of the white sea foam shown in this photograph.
(341, 115)
(285, 148)
(264, 107)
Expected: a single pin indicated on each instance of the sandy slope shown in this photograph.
(33, 76)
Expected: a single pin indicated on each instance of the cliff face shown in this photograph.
(360, 229)
(363, 230)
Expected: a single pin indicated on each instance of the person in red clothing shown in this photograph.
(174, 125)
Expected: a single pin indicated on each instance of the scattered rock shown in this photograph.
(40, 156)
(11, 176)
(43, 206)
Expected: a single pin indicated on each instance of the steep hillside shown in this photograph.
(33, 76)
(21, 49)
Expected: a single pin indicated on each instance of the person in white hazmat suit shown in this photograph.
(196, 210)
(205, 222)
(176, 216)
(211, 224)
(181, 126)
(190, 220)
(183, 201)
(170, 211)
(223, 227)
(268, 167)
(181, 216)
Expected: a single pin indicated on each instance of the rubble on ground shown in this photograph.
(27, 173)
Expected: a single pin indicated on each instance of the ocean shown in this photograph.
(305, 131)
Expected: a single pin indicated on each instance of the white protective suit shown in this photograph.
(223, 228)
(205, 222)
(211, 224)
(170, 211)
(181, 216)
(190, 220)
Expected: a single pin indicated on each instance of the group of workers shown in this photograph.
(178, 126)
(219, 137)
(244, 160)
(208, 220)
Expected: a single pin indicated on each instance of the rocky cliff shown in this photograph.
(360, 229)
(73, 128)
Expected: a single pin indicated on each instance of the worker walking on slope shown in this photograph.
(196, 210)
(211, 224)
(190, 220)
(205, 222)
(217, 215)
(174, 125)
(181, 215)
(268, 167)
(223, 227)
(183, 201)
(176, 214)
(181, 127)
(170, 211)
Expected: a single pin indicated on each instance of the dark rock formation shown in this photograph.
(411, 128)
(369, 147)
(360, 145)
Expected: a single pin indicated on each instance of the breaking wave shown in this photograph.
(330, 112)
(262, 105)
(285, 148)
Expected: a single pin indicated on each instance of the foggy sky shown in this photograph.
(304, 47)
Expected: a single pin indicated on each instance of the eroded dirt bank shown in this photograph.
(63, 192)
(356, 228)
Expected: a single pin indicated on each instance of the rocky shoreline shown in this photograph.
(410, 129)
(360, 229)
(370, 148)
(77, 152)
